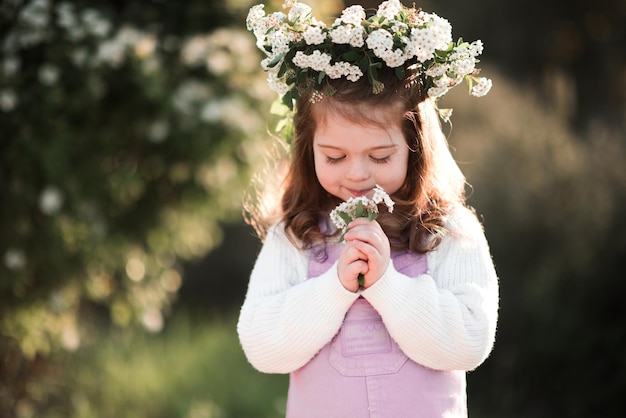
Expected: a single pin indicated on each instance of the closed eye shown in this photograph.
(334, 160)
(381, 160)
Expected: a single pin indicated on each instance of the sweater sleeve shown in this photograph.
(444, 319)
(285, 319)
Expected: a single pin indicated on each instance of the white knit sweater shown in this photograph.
(444, 320)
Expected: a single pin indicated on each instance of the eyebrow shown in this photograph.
(381, 147)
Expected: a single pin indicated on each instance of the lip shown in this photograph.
(359, 193)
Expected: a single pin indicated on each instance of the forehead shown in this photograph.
(362, 113)
(340, 132)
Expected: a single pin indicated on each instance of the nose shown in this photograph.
(357, 171)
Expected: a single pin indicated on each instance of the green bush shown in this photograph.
(122, 148)
(194, 369)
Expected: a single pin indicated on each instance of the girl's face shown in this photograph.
(351, 158)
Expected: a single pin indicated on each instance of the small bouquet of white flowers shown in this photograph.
(359, 207)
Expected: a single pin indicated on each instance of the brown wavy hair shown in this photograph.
(434, 183)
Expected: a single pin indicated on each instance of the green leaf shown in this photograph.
(282, 70)
(371, 215)
(346, 218)
(288, 99)
(445, 114)
(359, 211)
(276, 60)
(400, 72)
(278, 108)
(320, 77)
(363, 64)
(351, 56)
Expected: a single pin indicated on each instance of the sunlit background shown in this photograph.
(129, 132)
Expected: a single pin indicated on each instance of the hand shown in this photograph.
(352, 262)
(366, 243)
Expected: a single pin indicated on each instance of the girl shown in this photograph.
(399, 345)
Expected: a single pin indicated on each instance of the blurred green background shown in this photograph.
(130, 130)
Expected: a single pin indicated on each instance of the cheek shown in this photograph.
(322, 171)
(398, 173)
(319, 170)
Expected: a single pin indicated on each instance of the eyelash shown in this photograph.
(330, 160)
(383, 160)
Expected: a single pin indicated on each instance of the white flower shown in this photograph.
(277, 84)
(437, 91)
(152, 319)
(145, 46)
(482, 88)
(357, 37)
(317, 61)
(463, 66)
(10, 66)
(422, 44)
(442, 31)
(443, 81)
(476, 48)
(380, 196)
(341, 34)
(255, 15)
(347, 211)
(158, 131)
(8, 100)
(194, 50)
(354, 74)
(394, 36)
(389, 9)
(380, 41)
(14, 259)
(96, 23)
(394, 59)
(36, 14)
(289, 3)
(265, 64)
(262, 25)
(436, 70)
(344, 69)
(279, 42)
(65, 15)
(299, 11)
(353, 15)
(48, 74)
(50, 200)
(189, 94)
(219, 62)
(313, 35)
(111, 52)
(79, 56)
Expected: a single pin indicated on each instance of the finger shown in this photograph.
(364, 222)
(366, 250)
(352, 253)
(360, 221)
(360, 267)
(373, 237)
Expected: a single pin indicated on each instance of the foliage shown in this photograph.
(553, 204)
(194, 369)
(122, 147)
(302, 52)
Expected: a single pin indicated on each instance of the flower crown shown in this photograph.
(303, 52)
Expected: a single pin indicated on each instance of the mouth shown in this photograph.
(359, 193)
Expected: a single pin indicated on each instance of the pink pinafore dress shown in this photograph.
(362, 373)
